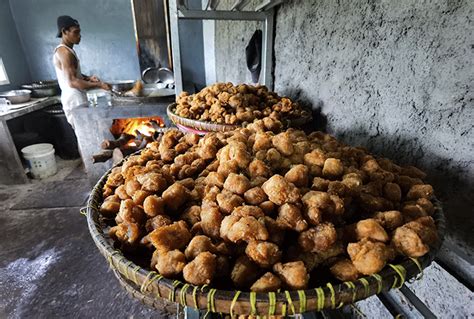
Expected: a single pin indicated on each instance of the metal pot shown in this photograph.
(43, 88)
(16, 96)
(122, 86)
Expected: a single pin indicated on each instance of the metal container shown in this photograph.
(122, 86)
(16, 96)
(43, 88)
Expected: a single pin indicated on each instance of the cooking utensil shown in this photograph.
(43, 88)
(165, 76)
(150, 75)
(16, 96)
(121, 86)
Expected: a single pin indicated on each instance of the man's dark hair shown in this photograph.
(64, 23)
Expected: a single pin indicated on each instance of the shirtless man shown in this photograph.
(68, 70)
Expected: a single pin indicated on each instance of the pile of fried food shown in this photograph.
(225, 103)
(263, 208)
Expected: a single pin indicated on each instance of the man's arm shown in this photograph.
(68, 64)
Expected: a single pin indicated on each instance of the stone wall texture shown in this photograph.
(394, 76)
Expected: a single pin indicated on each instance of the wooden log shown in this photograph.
(122, 140)
(103, 156)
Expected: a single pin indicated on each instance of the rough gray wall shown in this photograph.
(396, 77)
(192, 48)
(10, 50)
(231, 39)
(107, 48)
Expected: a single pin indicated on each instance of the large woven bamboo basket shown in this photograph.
(151, 288)
(216, 127)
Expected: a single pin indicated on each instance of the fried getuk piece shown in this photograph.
(246, 228)
(293, 274)
(344, 270)
(280, 191)
(201, 270)
(369, 257)
(414, 238)
(263, 253)
(170, 263)
(268, 282)
(174, 236)
(244, 272)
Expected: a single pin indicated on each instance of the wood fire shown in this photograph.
(130, 135)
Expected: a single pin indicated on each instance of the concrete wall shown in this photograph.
(396, 77)
(192, 48)
(10, 50)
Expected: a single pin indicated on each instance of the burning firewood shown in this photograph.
(122, 140)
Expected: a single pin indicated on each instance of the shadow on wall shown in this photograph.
(452, 184)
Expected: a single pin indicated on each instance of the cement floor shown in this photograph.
(49, 265)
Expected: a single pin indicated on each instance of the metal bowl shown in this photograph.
(122, 86)
(43, 88)
(16, 96)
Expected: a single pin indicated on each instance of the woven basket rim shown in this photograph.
(217, 127)
(244, 302)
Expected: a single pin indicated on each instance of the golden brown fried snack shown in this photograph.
(175, 196)
(157, 222)
(333, 168)
(131, 186)
(414, 238)
(247, 228)
(320, 184)
(201, 270)
(248, 210)
(198, 245)
(268, 207)
(344, 270)
(392, 192)
(263, 141)
(282, 142)
(420, 191)
(215, 179)
(170, 263)
(237, 183)
(390, 219)
(315, 158)
(369, 257)
(255, 196)
(276, 233)
(289, 217)
(280, 191)
(258, 168)
(293, 274)
(131, 213)
(126, 233)
(121, 192)
(268, 282)
(191, 215)
(298, 175)
(154, 205)
(174, 236)
(228, 201)
(244, 272)
(110, 207)
(319, 238)
(265, 254)
(115, 179)
(371, 229)
(152, 182)
(211, 219)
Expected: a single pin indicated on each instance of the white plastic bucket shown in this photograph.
(40, 160)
